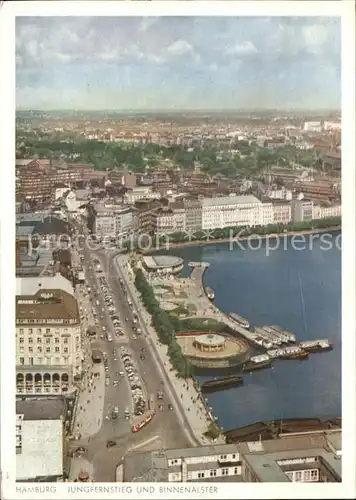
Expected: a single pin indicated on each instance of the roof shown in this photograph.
(24, 230)
(247, 199)
(30, 286)
(161, 261)
(47, 304)
(41, 408)
(42, 449)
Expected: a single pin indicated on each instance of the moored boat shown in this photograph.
(210, 293)
(315, 345)
(295, 355)
(240, 320)
(221, 383)
(257, 363)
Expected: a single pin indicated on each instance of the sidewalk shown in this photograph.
(195, 411)
(90, 409)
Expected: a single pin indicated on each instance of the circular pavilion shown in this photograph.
(211, 342)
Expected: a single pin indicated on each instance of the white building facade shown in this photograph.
(321, 212)
(48, 342)
(230, 211)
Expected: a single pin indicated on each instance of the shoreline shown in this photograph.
(202, 243)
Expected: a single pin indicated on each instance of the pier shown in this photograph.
(198, 269)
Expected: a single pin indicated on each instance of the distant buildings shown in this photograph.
(304, 458)
(230, 211)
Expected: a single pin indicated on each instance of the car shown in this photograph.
(170, 407)
(107, 381)
(134, 337)
(121, 373)
(115, 383)
(142, 357)
(110, 443)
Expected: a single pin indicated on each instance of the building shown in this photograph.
(193, 215)
(143, 216)
(282, 212)
(113, 221)
(314, 126)
(312, 458)
(129, 180)
(332, 125)
(302, 210)
(48, 336)
(230, 211)
(140, 193)
(167, 221)
(285, 176)
(162, 264)
(39, 449)
(308, 457)
(322, 212)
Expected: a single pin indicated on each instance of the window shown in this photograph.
(224, 472)
(22, 361)
(201, 475)
(298, 476)
(56, 349)
(21, 331)
(48, 341)
(56, 340)
(314, 475)
(39, 340)
(223, 457)
(21, 340)
(39, 349)
(48, 330)
(236, 470)
(30, 349)
(66, 349)
(48, 349)
(39, 331)
(234, 455)
(30, 361)
(30, 331)
(65, 341)
(30, 340)
(213, 473)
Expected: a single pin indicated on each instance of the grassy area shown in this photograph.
(182, 325)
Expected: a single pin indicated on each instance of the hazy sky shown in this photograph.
(178, 62)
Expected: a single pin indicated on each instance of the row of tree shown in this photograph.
(136, 244)
(162, 323)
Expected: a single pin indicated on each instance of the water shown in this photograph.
(298, 290)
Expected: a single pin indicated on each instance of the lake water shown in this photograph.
(299, 290)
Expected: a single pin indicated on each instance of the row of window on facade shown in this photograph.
(39, 360)
(48, 349)
(48, 340)
(39, 331)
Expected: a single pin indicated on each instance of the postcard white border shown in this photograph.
(8, 11)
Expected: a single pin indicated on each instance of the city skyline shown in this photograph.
(178, 63)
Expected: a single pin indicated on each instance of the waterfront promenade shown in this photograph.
(198, 415)
(206, 309)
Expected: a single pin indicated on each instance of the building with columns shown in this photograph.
(48, 336)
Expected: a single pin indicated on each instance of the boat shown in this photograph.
(295, 355)
(239, 319)
(210, 293)
(143, 423)
(315, 345)
(221, 383)
(257, 363)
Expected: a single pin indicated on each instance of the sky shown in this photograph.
(178, 63)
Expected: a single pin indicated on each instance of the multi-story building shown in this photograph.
(314, 126)
(322, 212)
(140, 193)
(48, 336)
(33, 184)
(39, 449)
(230, 211)
(113, 221)
(193, 215)
(282, 212)
(319, 190)
(266, 214)
(143, 216)
(302, 210)
(165, 221)
(305, 457)
(285, 176)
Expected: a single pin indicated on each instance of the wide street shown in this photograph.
(165, 424)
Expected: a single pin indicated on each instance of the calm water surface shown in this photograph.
(299, 290)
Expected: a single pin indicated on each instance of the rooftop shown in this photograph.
(42, 449)
(247, 199)
(47, 304)
(161, 261)
(30, 286)
(41, 408)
